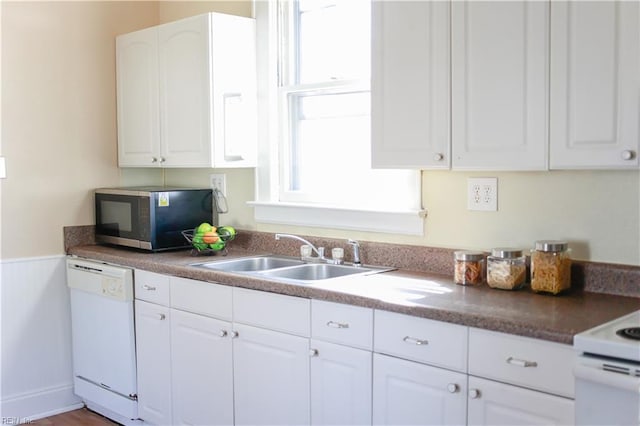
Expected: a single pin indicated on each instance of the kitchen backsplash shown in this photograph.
(595, 277)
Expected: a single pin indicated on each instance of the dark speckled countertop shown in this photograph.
(421, 293)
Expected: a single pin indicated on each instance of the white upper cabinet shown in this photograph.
(187, 94)
(595, 84)
(499, 85)
(137, 98)
(410, 84)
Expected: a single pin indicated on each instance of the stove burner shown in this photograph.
(629, 333)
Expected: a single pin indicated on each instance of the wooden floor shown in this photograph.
(82, 417)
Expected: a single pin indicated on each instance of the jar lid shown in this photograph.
(506, 253)
(468, 255)
(551, 245)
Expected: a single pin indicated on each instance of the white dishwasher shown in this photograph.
(103, 338)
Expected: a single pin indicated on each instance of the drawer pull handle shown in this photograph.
(148, 287)
(521, 362)
(334, 324)
(161, 317)
(413, 340)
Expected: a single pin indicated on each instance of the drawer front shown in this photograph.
(199, 297)
(419, 339)
(344, 324)
(272, 311)
(532, 363)
(152, 287)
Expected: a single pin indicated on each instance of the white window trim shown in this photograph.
(267, 208)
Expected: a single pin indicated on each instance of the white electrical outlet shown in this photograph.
(219, 181)
(482, 194)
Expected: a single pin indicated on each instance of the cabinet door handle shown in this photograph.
(438, 157)
(521, 362)
(223, 333)
(148, 287)
(453, 387)
(162, 317)
(234, 334)
(334, 324)
(154, 160)
(162, 159)
(313, 352)
(474, 393)
(414, 341)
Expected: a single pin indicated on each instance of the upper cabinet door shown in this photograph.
(184, 69)
(595, 84)
(137, 88)
(410, 84)
(499, 85)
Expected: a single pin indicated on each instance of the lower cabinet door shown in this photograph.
(201, 370)
(153, 335)
(493, 403)
(340, 384)
(271, 377)
(407, 392)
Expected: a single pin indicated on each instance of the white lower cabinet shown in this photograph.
(407, 392)
(153, 334)
(340, 384)
(494, 403)
(201, 370)
(271, 377)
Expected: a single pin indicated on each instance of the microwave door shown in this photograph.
(119, 217)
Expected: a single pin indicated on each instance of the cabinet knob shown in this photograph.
(628, 155)
(223, 333)
(474, 393)
(313, 352)
(234, 334)
(162, 159)
(154, 160)
(453, 388)
(438, 157)
(162, 317)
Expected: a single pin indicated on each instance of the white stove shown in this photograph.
(619, 338)
(607, 373)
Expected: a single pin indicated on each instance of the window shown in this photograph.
(321, 146)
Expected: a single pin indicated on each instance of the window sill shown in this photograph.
(393, 222)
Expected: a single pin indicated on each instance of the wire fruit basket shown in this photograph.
(210, 243)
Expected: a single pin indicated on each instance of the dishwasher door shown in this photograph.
(103, 336)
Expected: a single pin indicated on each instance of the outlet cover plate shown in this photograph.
(482, 194)
(219, 181)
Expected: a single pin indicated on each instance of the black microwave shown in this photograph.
(151, 217)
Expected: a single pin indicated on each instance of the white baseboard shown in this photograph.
(40, 403)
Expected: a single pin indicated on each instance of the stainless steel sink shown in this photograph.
(288, 269)
(250, 264)
(316, 271)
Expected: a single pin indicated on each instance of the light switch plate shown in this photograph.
(482, 194)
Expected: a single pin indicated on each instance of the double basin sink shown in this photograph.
(288, 269)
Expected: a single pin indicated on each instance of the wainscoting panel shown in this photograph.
(37, 377)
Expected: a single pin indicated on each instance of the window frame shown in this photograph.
(268, 208)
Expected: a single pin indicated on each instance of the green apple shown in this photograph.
(217, 246)
(204, 227)
(227, 233)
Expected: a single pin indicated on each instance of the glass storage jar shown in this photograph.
(550, 266)
(469, 268)
(506, 269)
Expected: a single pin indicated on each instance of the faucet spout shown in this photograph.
(356, 252)
(295, 237)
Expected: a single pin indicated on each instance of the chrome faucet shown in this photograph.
(318, 251)
(356, 252)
